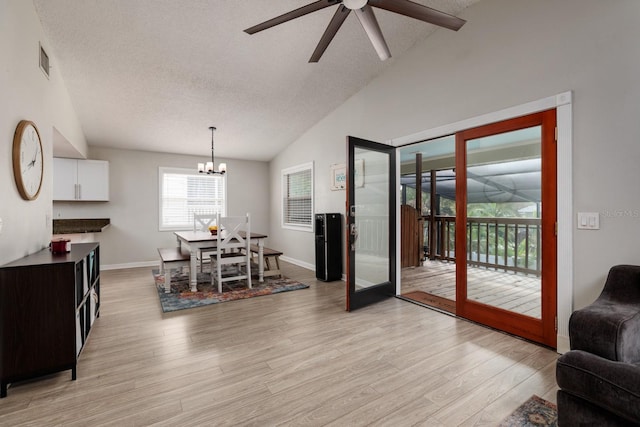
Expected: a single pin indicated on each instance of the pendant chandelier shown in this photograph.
(208, 167)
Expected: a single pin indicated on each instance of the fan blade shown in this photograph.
(333, 27)
(371, 27)
(304, 10)
(418, 11)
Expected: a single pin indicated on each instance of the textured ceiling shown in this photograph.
(155, 74)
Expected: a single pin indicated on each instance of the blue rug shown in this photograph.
(181, 297)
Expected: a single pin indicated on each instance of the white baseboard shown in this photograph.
(130, 265)
(299, 263)
(306, 265)
(156, 263)
(294, 261)
(562, 343)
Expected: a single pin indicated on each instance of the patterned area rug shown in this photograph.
(182, 298)
(534, 412)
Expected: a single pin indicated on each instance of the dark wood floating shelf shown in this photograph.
(73, 226)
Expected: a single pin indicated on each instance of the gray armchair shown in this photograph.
(599, 378)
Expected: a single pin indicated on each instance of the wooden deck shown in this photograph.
(515, 292)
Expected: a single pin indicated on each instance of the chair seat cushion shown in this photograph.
(614, 386)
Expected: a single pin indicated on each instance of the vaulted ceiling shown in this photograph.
(155, 74)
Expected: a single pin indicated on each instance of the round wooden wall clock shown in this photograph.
(28, 162)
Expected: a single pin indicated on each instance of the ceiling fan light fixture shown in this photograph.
(354, 4)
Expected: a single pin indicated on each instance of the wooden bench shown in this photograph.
(269, 255)
(171, 258)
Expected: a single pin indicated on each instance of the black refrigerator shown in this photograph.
(328, 246)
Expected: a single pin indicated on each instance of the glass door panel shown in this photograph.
(371, 222)
(504, 206)
(372, 219)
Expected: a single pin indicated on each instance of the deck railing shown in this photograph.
(373, 234)
(509, 244)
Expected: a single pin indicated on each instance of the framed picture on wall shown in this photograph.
(339, 175)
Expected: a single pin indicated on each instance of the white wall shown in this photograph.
(28, 95)
(510, 52)
(133, 236)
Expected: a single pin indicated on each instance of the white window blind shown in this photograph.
(297, 197)
(184, 192)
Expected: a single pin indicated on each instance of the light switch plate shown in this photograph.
(588, 221)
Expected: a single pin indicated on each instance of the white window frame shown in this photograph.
(183, 171)
(284, 174)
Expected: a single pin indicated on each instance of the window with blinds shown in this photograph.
(297, 197)
(184, 192)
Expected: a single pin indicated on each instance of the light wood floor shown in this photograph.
(515, 292)
(289, 359)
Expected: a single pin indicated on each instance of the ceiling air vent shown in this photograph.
(44, 61)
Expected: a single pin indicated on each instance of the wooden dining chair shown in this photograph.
(201, 222)
(233, 249)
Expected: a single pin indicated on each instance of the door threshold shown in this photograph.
(431, 301)
(430, 307)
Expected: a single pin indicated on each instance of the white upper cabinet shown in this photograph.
(65, 173)
(93, 180)
(86, 180)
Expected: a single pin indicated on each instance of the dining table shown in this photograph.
(194, 241)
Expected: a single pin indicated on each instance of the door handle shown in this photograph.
(353, 232)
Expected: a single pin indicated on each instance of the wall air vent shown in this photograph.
(44, 61)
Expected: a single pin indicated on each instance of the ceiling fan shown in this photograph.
(364, 12)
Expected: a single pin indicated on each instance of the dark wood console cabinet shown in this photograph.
(48, 303)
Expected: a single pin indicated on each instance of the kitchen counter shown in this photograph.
(73, 226)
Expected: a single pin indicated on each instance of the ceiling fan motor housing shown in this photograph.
(354, 4)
